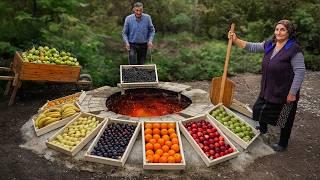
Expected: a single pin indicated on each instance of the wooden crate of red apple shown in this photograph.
(211, 144)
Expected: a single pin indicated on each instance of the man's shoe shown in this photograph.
(278, 148)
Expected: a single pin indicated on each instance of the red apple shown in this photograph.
(221, 143)
(221, 138)
(201, 138)
(206, 143)
(211, 146)
(212, 152)
(217, 145)
(222, 154)
(206, 136)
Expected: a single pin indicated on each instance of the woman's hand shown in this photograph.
(291, 98)
(235, 40)
(233, 36)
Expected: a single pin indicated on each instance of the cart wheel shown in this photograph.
(85, 77)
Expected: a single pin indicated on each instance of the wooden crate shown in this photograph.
(163, 166)
(85, 141)
(44, 72)
(54, 125)
(197, 148)
(110, 161)
(231, 134)
(79, 99)
(139, 84)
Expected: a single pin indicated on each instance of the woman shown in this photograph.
(283, 71)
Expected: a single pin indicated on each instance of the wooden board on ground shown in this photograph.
(196, 147)
(241, 108)
(82, 143)
(44, 72)
(163, 166)
(105, 160)
(228, 132)
(152, 67)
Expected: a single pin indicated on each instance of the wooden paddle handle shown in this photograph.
(226, 64)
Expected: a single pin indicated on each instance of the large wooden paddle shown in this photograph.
(222, 88)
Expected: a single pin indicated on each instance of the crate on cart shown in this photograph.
(27, 71)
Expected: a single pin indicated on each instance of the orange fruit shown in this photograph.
(168, 143)
(164, 132)
(150, 159)
(163, 159)
(148, 131)
(149, 146)
(156, 146)
(171, 152)
(178, 157)
(166, 154)
(148, 126)
(156, 131)
(170, 131)
(172, 125)
(161, 141)
(149, 152)
(147, 137)
(175, 141)
(175, 147)
(159, 152)
(152, 141)
(171, 159)
(164, 125)
(173, 135)
(166, 137)
(156, 158)
(156, 136)
(165, 148)
(156, 125)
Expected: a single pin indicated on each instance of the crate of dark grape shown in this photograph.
(208, 140)
(233, 126)
(114, 142)
(138, 76)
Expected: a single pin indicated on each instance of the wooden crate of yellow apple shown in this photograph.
(53, 118)
(76, 134)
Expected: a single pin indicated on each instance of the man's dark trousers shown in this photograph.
(138, 53)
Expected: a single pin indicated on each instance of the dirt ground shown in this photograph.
(300, 161)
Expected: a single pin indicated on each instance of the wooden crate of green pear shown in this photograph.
(238, 130)
(76, 134)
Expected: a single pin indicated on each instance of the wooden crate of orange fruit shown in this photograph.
(79, 96)
(162, 146)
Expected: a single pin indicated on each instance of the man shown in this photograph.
(138, 33)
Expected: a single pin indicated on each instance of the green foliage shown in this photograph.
(190, 41)
(202, 62)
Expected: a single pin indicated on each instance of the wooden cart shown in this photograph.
(25, 71)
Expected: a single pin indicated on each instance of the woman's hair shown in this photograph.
(289, 26)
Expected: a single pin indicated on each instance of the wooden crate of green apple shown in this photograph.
(46, 64)
(233, 126)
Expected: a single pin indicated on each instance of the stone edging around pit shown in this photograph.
(95, 102)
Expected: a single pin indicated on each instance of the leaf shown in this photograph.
(23, 16)
(53, 27)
